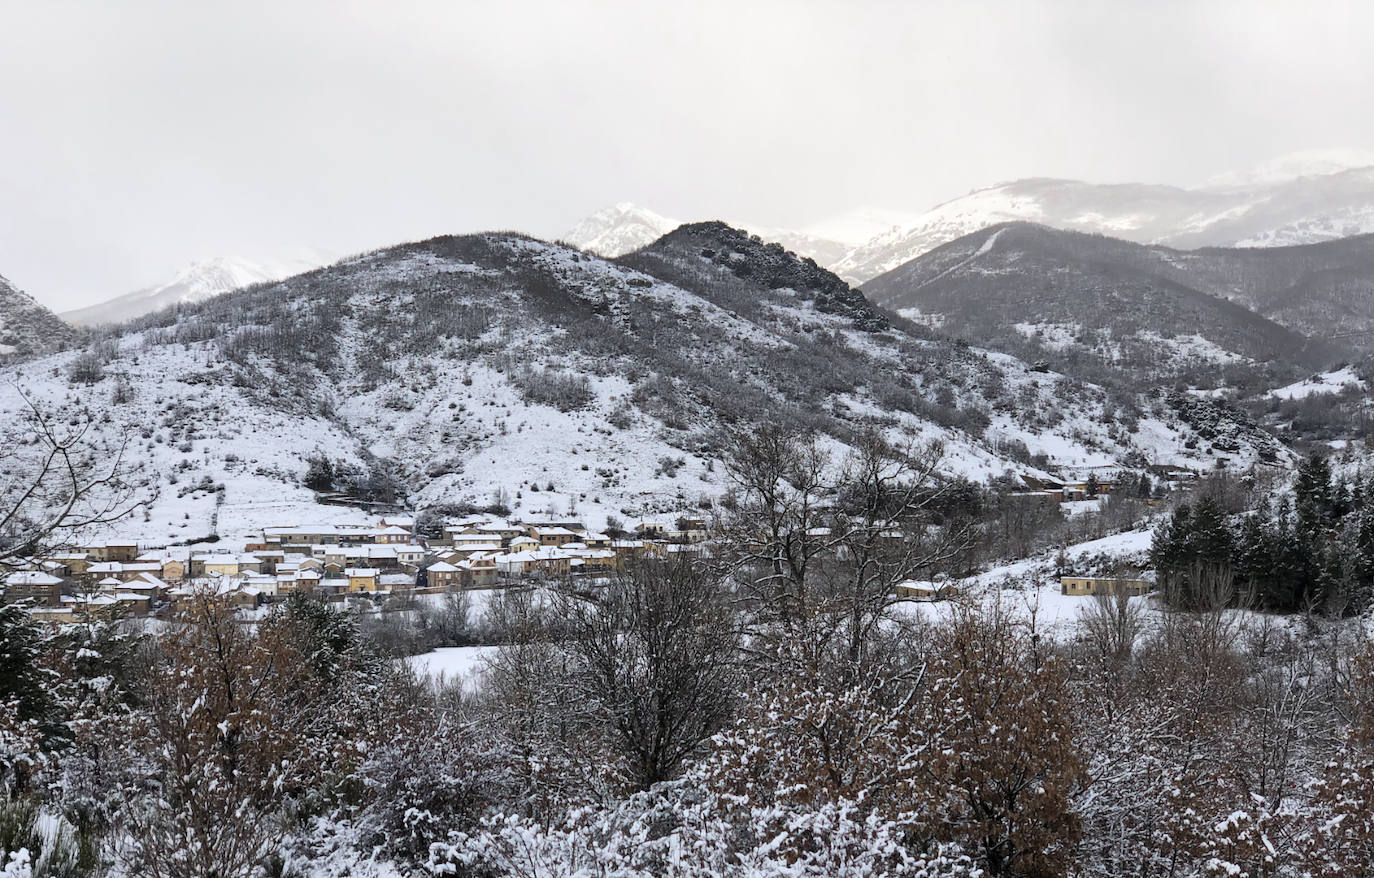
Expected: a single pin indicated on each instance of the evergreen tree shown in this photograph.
(1313, 499)
(1292, 568)
(319, 474)
(25, 687)
(1212, 541)
(1363, 562)
(1253, 557)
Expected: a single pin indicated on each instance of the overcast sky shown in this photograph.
(136, 137)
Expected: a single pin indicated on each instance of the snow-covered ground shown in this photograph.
(1326, 382)
(463, 665)
(1029, 588)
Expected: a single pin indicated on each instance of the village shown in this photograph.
(332, 561)
(341, 562)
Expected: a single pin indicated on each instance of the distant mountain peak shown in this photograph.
(619, 229)
(1295, 166)
(196, 282)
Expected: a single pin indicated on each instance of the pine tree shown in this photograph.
(1292, 567)
(1313, 499)
(319, 474)
(1363, 561)
(1253, 557)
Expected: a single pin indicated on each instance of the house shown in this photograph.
(595, 560)
(217, 565)
(1104, 585)
(318, 534)
(75, 562)
(627, 549)
(479, 571)
(406, 522)
(395, 581)
(265, 583)
(303, 579)
(362, 578)
(146, 585)
(542, 521)
(442, 574)
(56, 615)
(546, 560)
(651, 529)
(391, 535)
(553, 536)
(268, 559)
(136, 569)
(101, 570)
(34, 585)
(115, 550)
(922, 590)
(470, 536)
(467, 550)
(133, 603)
(503, 532)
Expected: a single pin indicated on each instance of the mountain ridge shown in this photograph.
(468, 368)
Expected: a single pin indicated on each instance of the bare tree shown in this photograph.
(1112, 624)
(56, 483)
(655, 649)
(819, 547)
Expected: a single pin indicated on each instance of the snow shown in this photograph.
(1295, 165)
(463, 665)
(1028, 587)
(859, 226)
(196, 283)
(1326, 382)
(619, 229)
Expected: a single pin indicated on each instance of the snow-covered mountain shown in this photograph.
(194, 283)
(26, 327)
(619, 229)
(1113, 311)
(625, 227)
(497, 365)
(1293, 166)
(1301, 199)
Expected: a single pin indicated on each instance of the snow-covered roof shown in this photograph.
(32, 577)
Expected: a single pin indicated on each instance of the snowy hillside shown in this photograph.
(1295, 200)
(498, 367)
(1100, 307)
(26, 327)
(194, 283)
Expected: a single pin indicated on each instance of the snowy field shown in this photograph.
(453, 664)
(1326, 382)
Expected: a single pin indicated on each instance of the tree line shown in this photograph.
(1311, 551)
